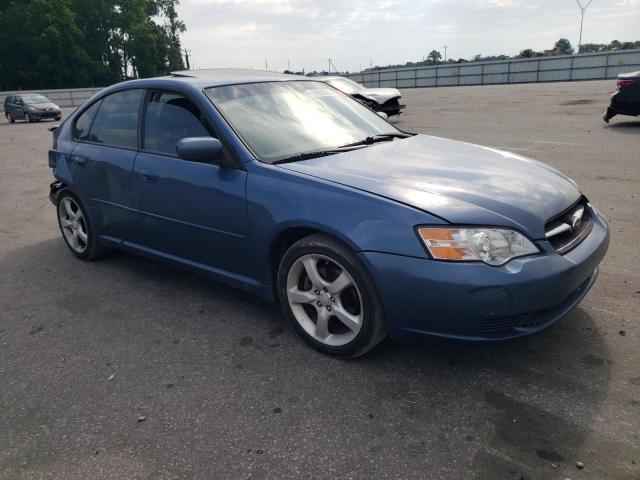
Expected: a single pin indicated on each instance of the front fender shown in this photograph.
(280, 199)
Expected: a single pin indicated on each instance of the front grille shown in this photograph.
(567, 230)
(529, 322)
(500, 327)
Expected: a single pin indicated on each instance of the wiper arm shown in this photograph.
(343, 148)
(307, 155)
(382, 137)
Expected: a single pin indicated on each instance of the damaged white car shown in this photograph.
(385, 100)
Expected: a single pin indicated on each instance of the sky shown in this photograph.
(299, 34)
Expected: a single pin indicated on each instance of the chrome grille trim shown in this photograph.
(568, 229)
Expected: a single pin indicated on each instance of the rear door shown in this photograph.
(101, 163)
(195, 211)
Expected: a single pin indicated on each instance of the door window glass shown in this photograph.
(170, 118)
(116, 123)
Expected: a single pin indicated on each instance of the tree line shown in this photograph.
(561, 47)
(86, 43)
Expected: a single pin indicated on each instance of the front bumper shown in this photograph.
(389, 108)
(474, 301)
(40, 114)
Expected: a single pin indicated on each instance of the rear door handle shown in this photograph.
(78, 160)
(148, 175)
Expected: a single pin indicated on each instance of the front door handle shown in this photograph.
(78, 160)
(148, 175)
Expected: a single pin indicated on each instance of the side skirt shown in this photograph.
(223, 276)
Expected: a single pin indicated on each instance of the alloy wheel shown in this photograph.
(73, 224)
(325, 300)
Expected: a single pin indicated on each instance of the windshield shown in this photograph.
(281, 119)
(34, 99)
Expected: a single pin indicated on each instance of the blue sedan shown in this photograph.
(287, 188)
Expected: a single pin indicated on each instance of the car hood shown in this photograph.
(459, 182)
(380, 95)
(43, 106)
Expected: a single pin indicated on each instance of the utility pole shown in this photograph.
(583, 9)
(445, 53)
(266, 65)
(288, 65)
(186, 58)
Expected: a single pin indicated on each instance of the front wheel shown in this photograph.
(57, 119)
(27, 117)
(329, 297)
(10, 117)
(76, 227)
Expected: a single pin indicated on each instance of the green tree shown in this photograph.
(563, 46)
(527, 53)
(434, 57)
(40, 45)
(76, 43)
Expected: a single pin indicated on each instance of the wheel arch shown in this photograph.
(287, 237)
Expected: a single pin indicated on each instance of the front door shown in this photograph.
(194, 211)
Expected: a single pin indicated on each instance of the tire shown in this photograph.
(27, 117)
(608, 115)
(10, 118)
(341, 287)
(57, 119)
(85, 246)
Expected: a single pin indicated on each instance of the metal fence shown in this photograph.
(592, 66)
(73, 97)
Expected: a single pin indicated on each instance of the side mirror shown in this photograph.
(383, 115)
(200, 149)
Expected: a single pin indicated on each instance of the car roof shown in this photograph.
(219, 77)
(198, 80)
(324, 79)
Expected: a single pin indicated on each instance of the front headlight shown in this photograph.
(493, 246)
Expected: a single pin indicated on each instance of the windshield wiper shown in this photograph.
(382, 137)
(343, 148)
(314, 154)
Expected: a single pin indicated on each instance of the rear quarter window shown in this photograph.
(83, 123)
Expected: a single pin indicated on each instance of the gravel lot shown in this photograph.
(229, 392)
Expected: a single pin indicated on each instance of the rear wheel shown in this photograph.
(76, 228)
(329, 298)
